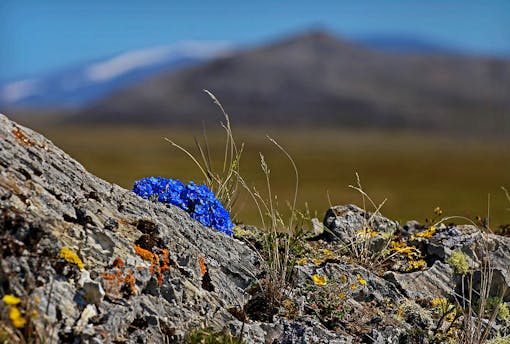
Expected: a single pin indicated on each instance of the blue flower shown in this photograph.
(197, 200)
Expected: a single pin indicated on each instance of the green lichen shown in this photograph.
(458, 262)
(503, 311)
(499, 340)
(495, 304)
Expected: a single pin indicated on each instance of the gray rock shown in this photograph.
(93, 292)
(49, 201)
(194, 276)
(431, 283)
(344, 221)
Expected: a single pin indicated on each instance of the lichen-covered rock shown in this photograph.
(150, 270)
(437, 281)
(344, 221)
(94, 263)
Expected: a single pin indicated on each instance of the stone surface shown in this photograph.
(49, 201)
(344, 221)
(151, 274)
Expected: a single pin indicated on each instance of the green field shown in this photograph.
(414, 172)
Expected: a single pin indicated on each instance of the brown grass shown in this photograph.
(415, 173)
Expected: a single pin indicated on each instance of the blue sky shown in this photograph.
(40, 36)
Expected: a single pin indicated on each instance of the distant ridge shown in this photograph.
(79, 85)
(319, 79)
(406, 44)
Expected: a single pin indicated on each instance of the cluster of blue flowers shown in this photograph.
(197, 200)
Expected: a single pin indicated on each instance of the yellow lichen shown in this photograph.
(368, 232)
(302, 261)
(17, 320)
(438, 302)
(71, 257)
(326, 251)
(427, 233)
(319, 280)
(401, 247)
(416, 264)
(11, 300)
(361, 280)
(317, 261)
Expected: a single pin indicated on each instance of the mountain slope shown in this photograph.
(317, 79)
(82, 84)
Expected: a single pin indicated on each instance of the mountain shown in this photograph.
(405, 44)
(319, 79)
(79, 85)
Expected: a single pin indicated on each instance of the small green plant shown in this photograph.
(477, 318)
(326, 299)
(208, 336)
(18, 321)
(360, 245)
(475, 296)
(458, 262)
(448, 318)
(224, 182)
(279, 233)
(496, 304)
(507, 195)
(499, 340)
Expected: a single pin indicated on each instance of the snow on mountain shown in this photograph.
(80, 85)
(14, 91)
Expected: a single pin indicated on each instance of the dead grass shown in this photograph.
(415, 173)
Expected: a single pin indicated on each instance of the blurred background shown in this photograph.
(412, 95)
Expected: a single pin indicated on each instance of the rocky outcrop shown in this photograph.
(93, 263)
(49, 201)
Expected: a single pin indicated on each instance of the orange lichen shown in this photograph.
(145, 254)
(21, 137)
(118, 263)
(158, 266)
(203, 268)
(118, 283)
(165, 263)
(130, 282)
